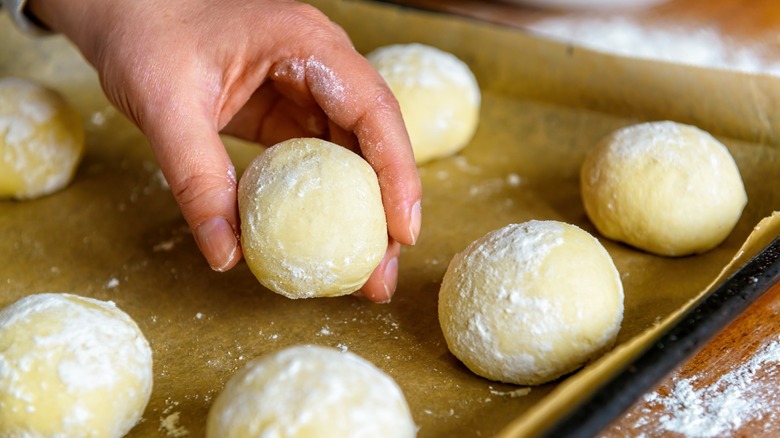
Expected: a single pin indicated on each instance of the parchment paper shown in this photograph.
(116, 233)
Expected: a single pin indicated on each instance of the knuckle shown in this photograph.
(385, 101)
(315, 27)
(195, 191)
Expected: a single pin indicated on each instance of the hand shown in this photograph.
(263, 70)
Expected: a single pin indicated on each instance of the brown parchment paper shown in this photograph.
(116, 234)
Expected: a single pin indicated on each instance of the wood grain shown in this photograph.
(734, 347)
(740, 19)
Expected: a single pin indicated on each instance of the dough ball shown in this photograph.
(530, 302)
(438, 94)
(312, 220)
(664, 187)
(41, 140)
(71, 367)
(310, 391)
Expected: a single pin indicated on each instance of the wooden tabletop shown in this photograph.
(728, 388)
(742, 19)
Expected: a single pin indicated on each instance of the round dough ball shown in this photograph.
(312, 220)
(309, 391)
(71, 367)
(664, 187)
(530, 302)
(438, 94)
(41, 140)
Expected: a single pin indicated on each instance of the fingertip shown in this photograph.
(390, 279)
(219, 243)
(404, 222)
(415, 222)
(382, 283)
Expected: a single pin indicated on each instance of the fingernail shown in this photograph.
(415, 221)
(390, 278)
(217, 242)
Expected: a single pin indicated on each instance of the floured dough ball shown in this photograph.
(664, 187)
(71, 367)
(41, 140)
(438, 94)
(530, 302)
(310, 391)
(312, 220)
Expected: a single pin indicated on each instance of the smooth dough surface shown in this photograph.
(41, 140)
(312, 220)
(438, 94)
(664, 187)
(310, 391)
(71, 367)
(530, 302)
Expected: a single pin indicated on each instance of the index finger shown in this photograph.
(356, 98)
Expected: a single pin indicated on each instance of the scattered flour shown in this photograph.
(519, 392)
(170, 425)
(702, 46)
(112, 283)
(720, 408)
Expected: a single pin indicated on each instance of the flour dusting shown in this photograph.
(325, 83)
(421, 66)
(702, 46)
(719, 408)
(170, 425)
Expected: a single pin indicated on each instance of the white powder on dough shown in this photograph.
(27, 145)
(669, 145)
(702, 46)
(420, 66)
(525, 246)
(76, 345)
(720, 408)
(287, 235)
(301, 386)
(666, 143)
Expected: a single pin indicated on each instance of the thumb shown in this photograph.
(202, 178)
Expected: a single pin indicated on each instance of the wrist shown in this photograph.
(70, 18)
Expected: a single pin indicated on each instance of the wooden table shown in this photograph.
(741, 19)
(728, 354)
(733, 354)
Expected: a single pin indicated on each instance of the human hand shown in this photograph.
(262, 70)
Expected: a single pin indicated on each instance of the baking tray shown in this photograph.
(116, 233)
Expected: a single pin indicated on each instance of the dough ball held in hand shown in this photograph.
(312, 220)
(438, 94)
(310, 391)
(41, 140)
(664, 187)
(530, 302)
(71, 367)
